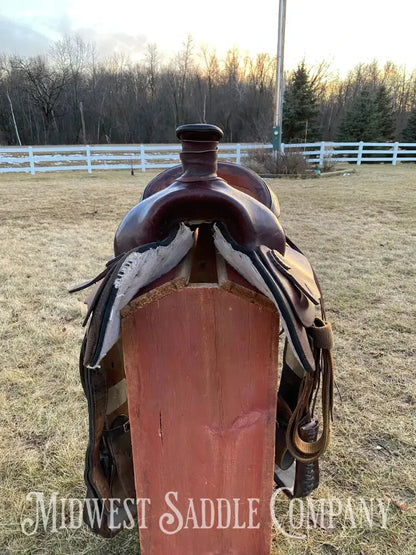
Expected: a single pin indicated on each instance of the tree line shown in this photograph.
(71, 96)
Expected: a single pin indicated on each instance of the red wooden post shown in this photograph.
(201, 370)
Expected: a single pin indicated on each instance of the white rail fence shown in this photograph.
(34, 159)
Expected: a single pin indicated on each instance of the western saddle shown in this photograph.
(237, 211)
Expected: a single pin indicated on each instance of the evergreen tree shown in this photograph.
(299, 108)
(385, 116)
(360, 123)
(409, 133)
(370, 117)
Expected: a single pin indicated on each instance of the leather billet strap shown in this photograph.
(108, 267)
(321, 338)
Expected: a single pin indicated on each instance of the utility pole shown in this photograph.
(278, 112)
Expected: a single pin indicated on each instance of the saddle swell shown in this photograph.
(248, 221)
(239, 177)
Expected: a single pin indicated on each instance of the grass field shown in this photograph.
(359, 230)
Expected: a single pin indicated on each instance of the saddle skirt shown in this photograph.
(241, 215)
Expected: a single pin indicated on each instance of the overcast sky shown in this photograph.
(344, 33)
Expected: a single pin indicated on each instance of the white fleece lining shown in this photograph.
(137, 271)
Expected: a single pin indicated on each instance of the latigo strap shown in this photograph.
(297, 445)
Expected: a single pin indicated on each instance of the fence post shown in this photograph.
(88, 153)
(31, 160)
(238, 154)
(395, 152)
(282, 149)
(360, 152)
(142, 158)
(322, 153)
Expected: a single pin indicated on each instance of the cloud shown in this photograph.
(115, 42)
(22, 39)
(18, 38)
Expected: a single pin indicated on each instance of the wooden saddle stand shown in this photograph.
(188, 426)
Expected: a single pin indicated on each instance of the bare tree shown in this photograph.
(179, 74)
(75, 57)
(45, 87)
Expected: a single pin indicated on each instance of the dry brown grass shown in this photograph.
(57, 230)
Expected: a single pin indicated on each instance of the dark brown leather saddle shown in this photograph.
(240, 214)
